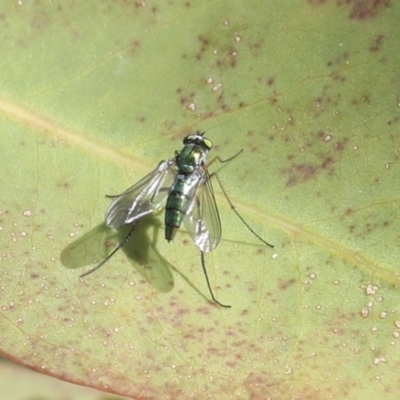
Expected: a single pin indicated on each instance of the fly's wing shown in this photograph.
(202, 219)
(142, 198)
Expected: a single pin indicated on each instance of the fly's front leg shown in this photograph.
(219, 159)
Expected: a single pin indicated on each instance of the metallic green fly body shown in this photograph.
(183, 186)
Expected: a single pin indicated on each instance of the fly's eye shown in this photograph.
(207, 143)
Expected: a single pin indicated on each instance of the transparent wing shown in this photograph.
(142, 198)
(202, 219)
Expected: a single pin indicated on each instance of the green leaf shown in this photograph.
(94, 94)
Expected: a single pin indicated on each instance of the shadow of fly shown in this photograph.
(183, 183)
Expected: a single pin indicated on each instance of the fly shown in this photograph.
(183, 183)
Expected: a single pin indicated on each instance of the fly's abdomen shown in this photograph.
(174, 213)
(178, 202)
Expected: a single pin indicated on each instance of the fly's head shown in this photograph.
(199, 139)
(194, 153)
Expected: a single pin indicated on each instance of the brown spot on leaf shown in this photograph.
(204, 46)
(360, 9)
(348, 211)
(134, 47)
(341, 60)
(327, 163)
(339, 146)
(64, 185)
(284, 284)
(393, 121)
(376, 46)
(365, 9)
(300, 173)
(338, 78)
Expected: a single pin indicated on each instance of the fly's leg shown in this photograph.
(203, 264)
(237, 213)
(229, 200)
(220, 160)
(123, 243)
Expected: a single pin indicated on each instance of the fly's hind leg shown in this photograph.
(203, 264)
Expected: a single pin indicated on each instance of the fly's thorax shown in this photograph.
(191, 158)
